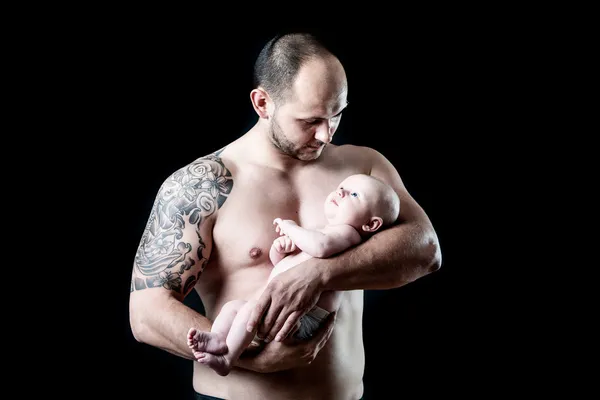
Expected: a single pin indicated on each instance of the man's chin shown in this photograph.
(309, 154)
(308, 157)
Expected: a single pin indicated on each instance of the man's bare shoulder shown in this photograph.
(199, 187)
(203, 171)
(205, 164)
(353, 152)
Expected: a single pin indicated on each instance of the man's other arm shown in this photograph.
(393, 257)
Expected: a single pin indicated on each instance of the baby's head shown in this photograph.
(364, 202)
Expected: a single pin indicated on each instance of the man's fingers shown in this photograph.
(259, 309)
(295, 329)
(327, 330)
(268, 321)
(276, 328)
(290, 324)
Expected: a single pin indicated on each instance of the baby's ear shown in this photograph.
(374, 224)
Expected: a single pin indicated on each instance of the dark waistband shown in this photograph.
(200, 396)
(206, 397)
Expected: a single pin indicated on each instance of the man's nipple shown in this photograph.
(255, 252)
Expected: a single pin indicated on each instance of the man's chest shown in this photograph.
(244, 229)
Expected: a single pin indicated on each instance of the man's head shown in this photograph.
(300, 91)
(364, 202)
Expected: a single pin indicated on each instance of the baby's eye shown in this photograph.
(354, 194)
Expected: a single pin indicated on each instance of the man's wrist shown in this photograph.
(249, 360)
(322, 274)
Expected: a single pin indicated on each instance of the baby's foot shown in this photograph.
(206, 342)
(217, 362)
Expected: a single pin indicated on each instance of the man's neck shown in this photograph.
(263, 151)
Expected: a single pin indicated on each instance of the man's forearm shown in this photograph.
(389, 259)
(164, 322)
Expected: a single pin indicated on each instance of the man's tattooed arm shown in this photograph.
(172, 252)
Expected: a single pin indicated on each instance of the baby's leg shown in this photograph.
(237, 341)
(288, 262)
(214, 341)
(239, 338)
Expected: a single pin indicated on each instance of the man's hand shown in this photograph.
(286, 298)
(288, 354)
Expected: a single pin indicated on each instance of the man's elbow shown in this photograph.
(139, 320)
(432, 255)
(429, 259)
(435, 261)
(426, 259)
(137, 326)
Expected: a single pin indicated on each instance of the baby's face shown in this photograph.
(353, 201)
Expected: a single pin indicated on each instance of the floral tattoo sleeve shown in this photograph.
(172, 252)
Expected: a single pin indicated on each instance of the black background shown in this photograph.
(148, 98)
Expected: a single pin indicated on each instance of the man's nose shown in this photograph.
(324, 132)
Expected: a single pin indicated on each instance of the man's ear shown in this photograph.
(261, 102)
(374, 224)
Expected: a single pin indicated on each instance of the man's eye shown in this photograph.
(311, 121)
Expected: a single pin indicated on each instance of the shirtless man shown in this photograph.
(358, 208)
(210, 230)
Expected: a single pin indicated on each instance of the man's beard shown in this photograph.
(281, 142)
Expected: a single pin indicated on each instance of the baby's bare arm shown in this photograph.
(281, 246)
(319, 243)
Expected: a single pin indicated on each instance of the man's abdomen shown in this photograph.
(335, 374)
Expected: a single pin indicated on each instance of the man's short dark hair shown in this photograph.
(280, 60)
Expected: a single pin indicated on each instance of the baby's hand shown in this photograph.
(284, 244)
(280, 225)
